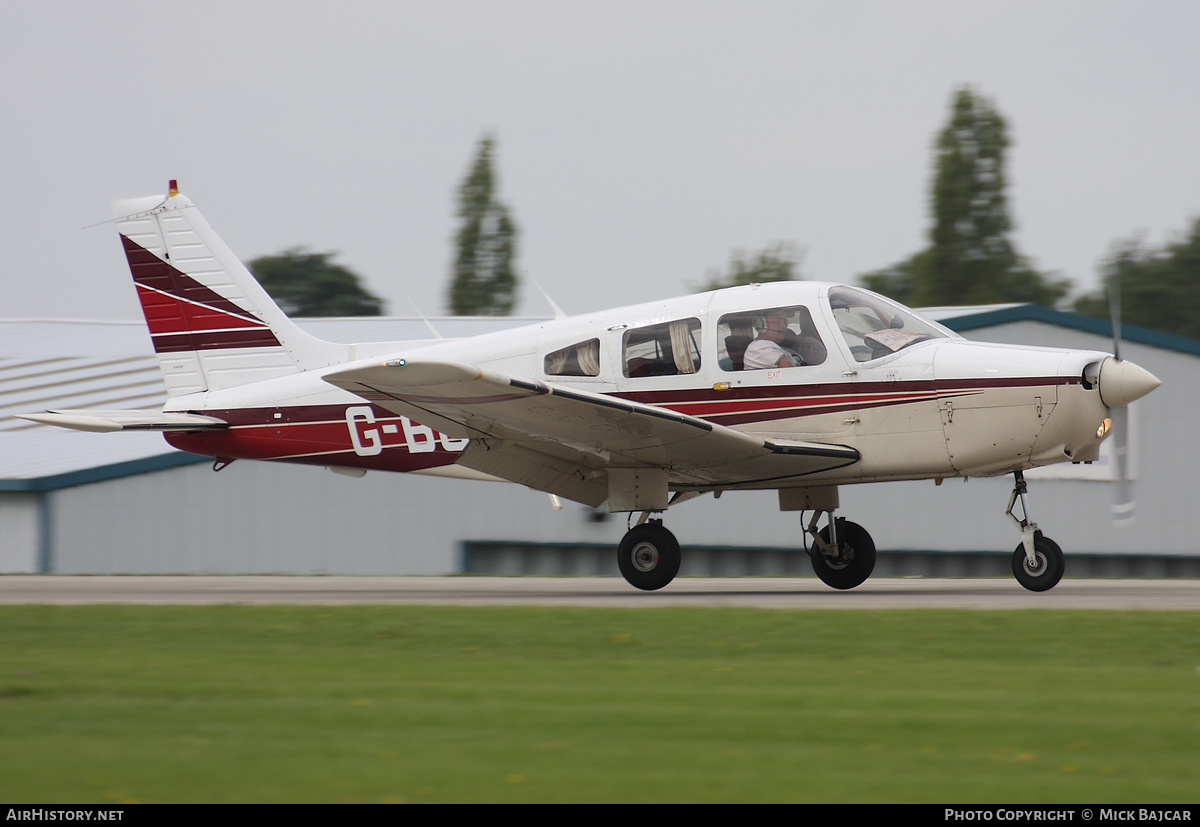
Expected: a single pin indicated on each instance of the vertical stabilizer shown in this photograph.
(212, 325)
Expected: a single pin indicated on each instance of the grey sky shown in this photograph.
(639, 143)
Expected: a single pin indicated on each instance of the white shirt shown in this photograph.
(762, 353)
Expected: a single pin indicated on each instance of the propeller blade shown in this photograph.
(1114, 307)
(1124, 504)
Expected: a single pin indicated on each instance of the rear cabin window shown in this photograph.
(666, 349)
(775, 337)
(582, 359)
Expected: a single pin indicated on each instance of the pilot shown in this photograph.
(767, 350)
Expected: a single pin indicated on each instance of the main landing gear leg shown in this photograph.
(648, 556)
(1038, 562)
(843, 553)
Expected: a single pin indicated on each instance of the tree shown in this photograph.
(970, 258)
(780, 262)
(1159, 288)
(310, 284)
(484, 282)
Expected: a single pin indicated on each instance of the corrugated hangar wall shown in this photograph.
(21, 527)
(260, 517)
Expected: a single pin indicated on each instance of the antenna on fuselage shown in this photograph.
(558, 311)
(428, 324)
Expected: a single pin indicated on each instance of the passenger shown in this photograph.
(767, 351)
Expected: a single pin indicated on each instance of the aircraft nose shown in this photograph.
(1122, 382)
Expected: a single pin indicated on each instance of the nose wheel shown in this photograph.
(1038, 563)
(1045, 569)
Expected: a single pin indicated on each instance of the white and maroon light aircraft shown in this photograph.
(794, 386)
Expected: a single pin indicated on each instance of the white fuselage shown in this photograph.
(917, 401)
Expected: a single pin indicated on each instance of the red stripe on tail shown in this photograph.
(184, 315)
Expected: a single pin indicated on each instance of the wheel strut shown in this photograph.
(1038, 562)
(828, 548)
(1025, 526)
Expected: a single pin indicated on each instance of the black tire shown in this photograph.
(648, 556)
(857, 559)
(1049, 569)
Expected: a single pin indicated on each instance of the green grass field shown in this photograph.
(439, 704)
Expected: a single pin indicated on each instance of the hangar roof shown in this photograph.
(91, 364)
(961, 319)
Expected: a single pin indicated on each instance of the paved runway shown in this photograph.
(765, 592)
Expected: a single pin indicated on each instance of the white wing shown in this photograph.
(575, 443)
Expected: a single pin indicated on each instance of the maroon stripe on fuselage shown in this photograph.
(318, 435)
(745, 405)
(667, 397)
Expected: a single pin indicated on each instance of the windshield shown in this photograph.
(874, 327)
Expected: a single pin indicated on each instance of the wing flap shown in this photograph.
(526, 465)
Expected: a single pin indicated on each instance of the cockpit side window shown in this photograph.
(582, 359)
(873, 328)
(666, 349)
(775, 337)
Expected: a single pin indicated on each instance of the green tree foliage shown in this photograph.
(484, 282)
(310, 284)
(1159, 288)
(779, 262)
(970, 258)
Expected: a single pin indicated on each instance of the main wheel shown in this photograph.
(649, 556)
(1048, 569)
(855, 560)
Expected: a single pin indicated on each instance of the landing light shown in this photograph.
(1102, 431)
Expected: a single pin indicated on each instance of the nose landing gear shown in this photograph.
(1037, 563)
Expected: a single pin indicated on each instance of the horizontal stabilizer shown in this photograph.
(107, 421)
